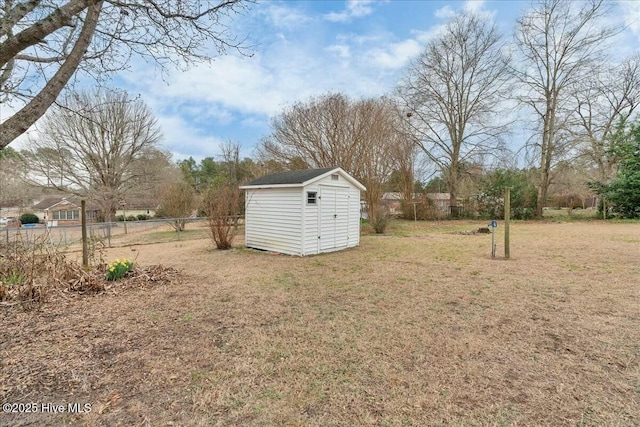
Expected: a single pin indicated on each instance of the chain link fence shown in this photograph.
(112, 233)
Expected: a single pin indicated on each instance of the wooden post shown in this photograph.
(124, 215)
(507, 220)
(83, 219)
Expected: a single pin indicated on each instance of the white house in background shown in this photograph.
(303, 212)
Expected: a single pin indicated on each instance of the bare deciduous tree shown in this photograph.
(230, 156)
(98, 142)
(453, 91)
(13, 178)
(559, 41)
(382, 148)
(604, 104)
(177, 202)
(44, 42)
(362, 137)
(319, 131)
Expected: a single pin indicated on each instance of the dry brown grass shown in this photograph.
(418, 327)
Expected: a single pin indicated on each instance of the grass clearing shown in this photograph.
(570, 214)
(416, 327)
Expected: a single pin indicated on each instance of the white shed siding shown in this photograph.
(278, 217)
(311, 212)
(328, 180)
(274, 220)
(342, 217)
(354, 217)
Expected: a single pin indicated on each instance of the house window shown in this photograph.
(311, 197)
(335, 177)
(66, 215)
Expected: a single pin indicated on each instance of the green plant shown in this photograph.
(142, 217)
(623, 193)
(29, 218)
(13, 279)
(118, 268)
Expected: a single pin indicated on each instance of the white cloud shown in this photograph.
(182, 139)
(395, 55)
(631, 12)
(231, 83)
(353, 9)
(343, 51)
(445, 12)
(472, 6)
(285, 17)
(476, 6)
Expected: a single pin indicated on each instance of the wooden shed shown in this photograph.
(303, 212)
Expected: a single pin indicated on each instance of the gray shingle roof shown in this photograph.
(47, 202)
(290, 177)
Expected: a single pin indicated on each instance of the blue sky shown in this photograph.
(301, 49)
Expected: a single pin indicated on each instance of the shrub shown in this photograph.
(29, 218)
(131, 218)
(381, 220)
(222, 204)
(118, 268)
(142, 217)
(425, 209)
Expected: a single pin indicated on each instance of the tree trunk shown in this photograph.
(453, 191)
(543, 189)
(18, 124)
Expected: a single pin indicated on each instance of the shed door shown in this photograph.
(334, 218)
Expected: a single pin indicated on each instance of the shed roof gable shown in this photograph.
(289, 177)
(299, 178)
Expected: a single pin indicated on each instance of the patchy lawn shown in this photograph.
(416, 327)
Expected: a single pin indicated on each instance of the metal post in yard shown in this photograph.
(124, 216)
(493, 245)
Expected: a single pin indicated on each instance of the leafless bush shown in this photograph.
(31, 268)
(222, 205)
(381, 219)
(178, 201)
(26, 267)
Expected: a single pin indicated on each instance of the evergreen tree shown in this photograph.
(624, 191)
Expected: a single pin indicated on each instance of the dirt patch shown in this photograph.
(403, 330)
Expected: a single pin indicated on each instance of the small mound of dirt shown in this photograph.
(481, 230)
